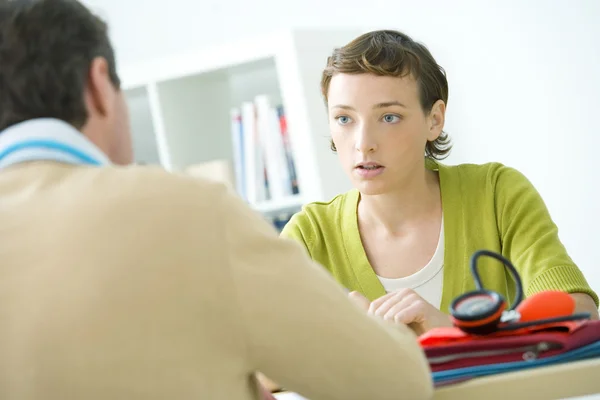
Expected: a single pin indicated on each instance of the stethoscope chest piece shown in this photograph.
(478, 312)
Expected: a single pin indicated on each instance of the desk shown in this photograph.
(553, 382)
(561, 381)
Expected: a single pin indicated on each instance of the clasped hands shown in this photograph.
(406, 307)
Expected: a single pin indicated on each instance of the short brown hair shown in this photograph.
(393, 53)
(46, 50)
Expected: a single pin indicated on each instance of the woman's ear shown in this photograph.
(436, 120)
(332, 145)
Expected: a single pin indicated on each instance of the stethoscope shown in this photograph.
(484, 311)
(66, 149)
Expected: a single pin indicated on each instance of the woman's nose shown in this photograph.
(365, 142)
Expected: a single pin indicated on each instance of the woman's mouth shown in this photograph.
(369, 169)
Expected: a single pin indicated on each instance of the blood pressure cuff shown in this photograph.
(443, 337)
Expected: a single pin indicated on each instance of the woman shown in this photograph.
(402, 238)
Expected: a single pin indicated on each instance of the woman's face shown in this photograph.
(379, 129)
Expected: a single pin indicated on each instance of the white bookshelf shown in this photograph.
(180, 106)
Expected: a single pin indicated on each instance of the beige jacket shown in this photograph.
(133, 283)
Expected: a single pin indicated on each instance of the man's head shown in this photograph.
(56, 61)
(386, 98)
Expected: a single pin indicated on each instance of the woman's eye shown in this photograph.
(391, 118)
(343, 119)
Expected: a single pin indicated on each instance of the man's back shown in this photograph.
(109, 290)
(135, 283)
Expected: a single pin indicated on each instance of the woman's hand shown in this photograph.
(404, 306)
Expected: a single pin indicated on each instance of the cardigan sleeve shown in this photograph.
(530, 237)
(300, 229)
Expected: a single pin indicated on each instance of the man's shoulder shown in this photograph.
(151, 186)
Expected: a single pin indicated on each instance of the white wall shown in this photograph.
(144, 143)
(524, 77)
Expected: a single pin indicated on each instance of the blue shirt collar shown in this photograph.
(47, 139)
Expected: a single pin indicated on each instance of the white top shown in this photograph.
(427, 282)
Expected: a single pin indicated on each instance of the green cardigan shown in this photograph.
(487, 206)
